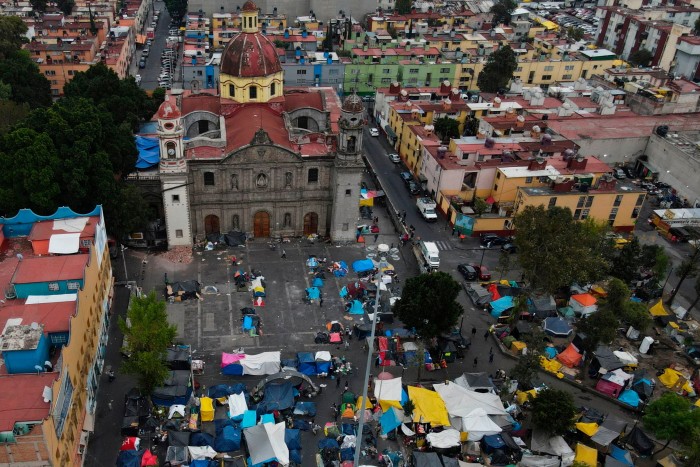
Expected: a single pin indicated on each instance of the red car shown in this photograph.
(484, 273)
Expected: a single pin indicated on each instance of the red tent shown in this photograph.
(570, 357)
(493, 290)
(608, 388)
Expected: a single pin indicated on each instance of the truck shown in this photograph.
(427, 206)
(430, 255)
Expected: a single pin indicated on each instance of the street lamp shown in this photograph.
(126, 274)
(370, 351)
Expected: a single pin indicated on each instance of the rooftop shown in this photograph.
(20, 336)
(619, 187)
(43, 230)
(22, 398)
(596, 126)
(50, 269)
(522, 172)
(55, 316)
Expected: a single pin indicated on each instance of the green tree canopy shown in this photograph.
(555, 250)
(688, 268)
(641, 57)
(403, 6)
(447, 128)
(501, 10)
(12, 35)
(498, 70)
(176, 8)
(619, 304)
(149, 368)
(599, 328)
(671, 417)
(553, 411)
(574, 33)
(428, 303)
(146, 327)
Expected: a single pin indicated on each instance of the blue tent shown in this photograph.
(307, 363)
(363, 265)
(312, 262)
(323, 366)
(342, 271)
(295, 456)
(250, 417)
(228, 440)
(267, 418)
(277, 397)
(621, 455)
(344, 292)
(629, 397)
(389, 421)
(224, 390)
(129, 458)
(201, 438)
(313, 293)
(356, 308)
(557, 327)
(318, 282)
(305, 408)
(220, 424)
(501, 305)
(492, 442)
(328, 443)
(149, 152)
(203, 463)
(292, 438)
(551, 352)
(247, 323)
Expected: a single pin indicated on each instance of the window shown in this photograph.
(635, 213)
(480, 158)
(444, 70)
(519, 69)
(63, 402)
(53, 286)
(178, 233)
(273, 89)
(546, 77)
(613, 214)
(566, 76)
(528, 179)
(584, 214)
(313, 176)
(333, 72)
(386, 80)
(59, 339)
(348, 192)
(413, 71)
(498, 175)
(577, 214)
(209, 178)
(303, 72)
(176, 198)
(386, 71)
(569, 67)
(495, 188)
(640, 200)
(287, 220)
(549, 68)
(73, 285)
(352, 72)
(199, 72)
(231, 90)
(253, 92)
(85, 243)
(346, 226)
(618, 200)
(552, 201)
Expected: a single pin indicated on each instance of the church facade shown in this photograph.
(258, 158)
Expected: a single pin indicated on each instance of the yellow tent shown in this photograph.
(518, 346)
(551, 366)
(697, 403)
(658, 310)
(367, 202)
(675, 380)
(523, 396)
(429, 406)
(588, 428)
(586, 455)
(206, 407)
(368, 404)
(386, 405)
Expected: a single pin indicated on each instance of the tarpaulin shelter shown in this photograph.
(426, 459)
(305, 408)
(445, 439)
(183, 290)
(286, 375)
(130, 458)
(322, 360)
(149, 151)
(234, 238)
(228, 439)
(557, 327)
(313, 293)
(479, 382)
(586, 455)
(639, 441)
(501, 305)
(176, 389)
(605, 359)
(362, 265)
(621, 455)
(542, 307)
(277, 397)
(307, 363)
(630, 398)
(266, 363)
(390, 420)
(531, 460)
(206, 409)
(200, 453)
(460, 402)
(570, 357)
(149, 459)
(250, 418)
(583, 304)
(356, 308)
(658, 310)
(130, 443)
(178, 438)
(674, 380)
(429, 407)
(493, 290)
(609, 431)
(201, 438)
(609, 388)
(587, 428)
(387, 389)
(231, 363)
(555, 445)
(626, 358)
(178, 358)
(219, 391)
(266, 443)
(478, 424)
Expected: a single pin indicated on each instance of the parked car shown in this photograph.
(145, 52)
(468, 272)
(483, 271)
(619, 174)
(413, 187)
(509, 248)
(406, 177)
(373, 132)
(142, 62)
(395, 158)
(488, 240)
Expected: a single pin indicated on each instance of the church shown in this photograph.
(256, 157)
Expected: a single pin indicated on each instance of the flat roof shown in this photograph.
(20, 336)
(54, 316)
(43, 230)
(50, 269)
(490, 106)
(520, 172)
(22, 398)
(595, 126)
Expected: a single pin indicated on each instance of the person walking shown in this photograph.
(347, 344)
(347, 386)
(320, 301)
(473, 331)
(284, 254)
(336, 412)
(376, 237)
(491, 357)
(486, 335)
(476, 362)
(111, 376)
(337, 382)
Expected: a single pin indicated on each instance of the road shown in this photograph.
(149, 75)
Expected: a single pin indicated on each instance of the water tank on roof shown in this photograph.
(489, 142)
(536, 129)
(568, 154)
(520, 118)
(662, 130)
(546, 139)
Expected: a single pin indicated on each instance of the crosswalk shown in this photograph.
(444, 245)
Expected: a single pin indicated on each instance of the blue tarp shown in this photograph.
(247, 323)
(224, 390)
(389, 421)
(363, 265)
(312, 262)
(621, 455)
(149, 152)
(267, 418)
(551, 352)
(342, 272)
(323, 366)
(356, 308)
(204, 463)
(305, 408)
(250, 417)
(629, 397)
(492, 442)
(228, 440)
(220, 424)
(129, 458)
(201, 438)
(313, 293)
(344, 292)
(307, 363)
(557, 327)
(292, 438)
(318, 282)
(328, 443)
(295, 456)
(277, 397)
(501, 305)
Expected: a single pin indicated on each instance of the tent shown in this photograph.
(201, 438)
(567, 313)
(501, 305)
(626, 358)
(604, 358)
(639, 441)
(630, 398)
(231, 363)
(178, 438)
(479, 382)
(609, 431)
(478, 424)
(658, 310)
(387, 389)
(426, 459)
(277, 397)
(322, 360)
(583, 304)
(621, 455)
(149, 459)
(586, 455)
(266, 443)
(228, 439)
(313, 293)
(557, 327)
(362, 265)
(183, 290)
(608, 387)
(178, 358)
(176, 389)
(675, 381)
(460, 402)
(288, 375)
(530, 460)
(200, 453)
(391, 419)
(206, 408)
(550, 352)
(587, 428)
(318, 282)
(266, 363)
(542, 306)
(429, 407)
(305, 408)
(307, 363)
(445, 439)
(129, 458)
(237, 405)
(356, 308)
(554, 445)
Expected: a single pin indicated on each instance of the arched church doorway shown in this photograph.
(261, 224)
(310, 223)
(211, 224)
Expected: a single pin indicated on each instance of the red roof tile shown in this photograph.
(245, 120)
(250, 55)
(43, 230)
(298, 99)
(50, 269)
(54, 316)
(22, 400)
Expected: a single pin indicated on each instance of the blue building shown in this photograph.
(49, 275)
(24, 348)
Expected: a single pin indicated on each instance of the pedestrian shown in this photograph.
(347, 386)
(335, 411)
(486, 335)
(347, 344)
(403, 216)
(473, 331)
(111, 376)
(284, 254)
(491, 358)
(454, 231)
(337, 382)
(320, 302)
(476, 361)
(491, 351)
(376, 236)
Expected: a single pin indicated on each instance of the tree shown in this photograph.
(625, 261)
(618, 302)
(480, 206)
(447, 128)
(503, 263)
(599, 328)
(146, 327)
(525, 370)
(640, 58)
(696, 286)
(671, 417)
(428, 304)
(688, 268)
(176, 8)
(10, 113)
(556, 251)
(574, 33)
(149, 368)
(498, 70)
(690, 455)
(553, 411)
(12, 35)
(66, 6)
(654, 258)
(403, 6)
(501, 10)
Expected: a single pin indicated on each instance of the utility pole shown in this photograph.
(368, 367)
(126, 274)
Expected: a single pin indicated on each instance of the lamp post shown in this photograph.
(126, 274)
(370, 351)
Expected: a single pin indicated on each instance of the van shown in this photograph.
(431, 254)
(678, 234)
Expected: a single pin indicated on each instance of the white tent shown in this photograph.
(445, 439)
(461, 402)
(176, 409)
(478, 424)
(266, 443)
(554, 445)
(266, 363)
(387, 389)
(236, 405)
(201, 452)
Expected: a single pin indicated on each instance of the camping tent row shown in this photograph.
(266, 363)
(313, 364)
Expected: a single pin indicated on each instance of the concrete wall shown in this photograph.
(676, 167)
(619, 150)
(323, 9)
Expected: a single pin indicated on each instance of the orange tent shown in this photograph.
(570, 357)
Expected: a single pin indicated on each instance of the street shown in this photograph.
(149, 75)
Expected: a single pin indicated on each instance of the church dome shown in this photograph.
(353, 104)
(168, 110)
(250, 55)
(249, 6)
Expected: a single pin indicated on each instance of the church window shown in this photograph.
(176, 198)
(348, 192)
(288, 177)
(236, 222)
(273, 89)
(261, 180)
(232, 90)
(313, 176)
(209, 178)
(178, 233)
(253, 92)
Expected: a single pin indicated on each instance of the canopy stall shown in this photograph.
(266, 443)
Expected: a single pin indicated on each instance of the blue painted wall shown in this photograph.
(22, 223)
(23, 361)
(42, 288)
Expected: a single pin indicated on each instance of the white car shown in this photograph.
(394, 158)
(373, 132)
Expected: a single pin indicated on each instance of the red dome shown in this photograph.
(168, 110)
(249, 6)
(250, 55)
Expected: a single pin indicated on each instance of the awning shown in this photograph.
(64, 244)
(140, 38)
(389, 131)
